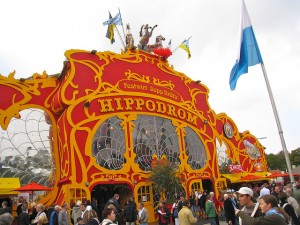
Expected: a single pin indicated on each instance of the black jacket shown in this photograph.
(229, 211)
(130, 212)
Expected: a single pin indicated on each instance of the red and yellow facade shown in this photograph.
(111, 113)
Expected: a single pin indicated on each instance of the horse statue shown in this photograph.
(129, 38)
(158, 44)
(145, 36)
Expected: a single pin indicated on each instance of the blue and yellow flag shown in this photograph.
(110, 31)
(185, 46)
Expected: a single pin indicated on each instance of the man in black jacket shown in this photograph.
(130, 212)
(230, 204)
(114, 203)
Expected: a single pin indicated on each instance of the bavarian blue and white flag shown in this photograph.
(117, 20)
(249, 54)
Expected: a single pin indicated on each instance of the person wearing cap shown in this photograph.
(230, 204)
(246, 201)
(273, 215)
(76, 212)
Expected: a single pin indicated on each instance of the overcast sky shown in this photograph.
(35, 34)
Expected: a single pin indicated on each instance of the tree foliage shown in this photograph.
(165, 179)
(277, 161)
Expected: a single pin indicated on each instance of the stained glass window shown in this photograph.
(154, 135)
(109, 144)
(194, 149)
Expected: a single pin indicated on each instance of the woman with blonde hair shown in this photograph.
(274, 215)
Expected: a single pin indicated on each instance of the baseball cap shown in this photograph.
(245, 191)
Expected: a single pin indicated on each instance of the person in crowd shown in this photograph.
(192, 200)
(291, 200)
(33, 212)
(41, 217)
(21, 201)
(222, 210)
(6, 219)
(130, 212)
(143, 214)
(164, 214)
(63, 218)
(202, 202)
(230, 204)
(83, 219)
(108, 215)
(217, 206)
(274, 215)
(92, 217)
(54, 215)
(180, 203)
(276, 192)
(76, 212)
(211, 211)
(185, 215)
(174, 212)
(95, 206)
(23, 217)
(5, 208)
(256, 191)
(264, 191)
(248, 206)
(288, 208)
(114, 203)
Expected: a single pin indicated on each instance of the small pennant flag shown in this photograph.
(185, 46)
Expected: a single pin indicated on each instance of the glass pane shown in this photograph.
(154, 135)
(25, 148)
(194, 149)
(109, 144)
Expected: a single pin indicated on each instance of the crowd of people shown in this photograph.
(81, 214)
(269, 205)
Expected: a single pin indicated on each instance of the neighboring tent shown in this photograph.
(8, 186)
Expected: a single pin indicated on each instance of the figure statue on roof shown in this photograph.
(158, 44)
(145, 36)
(129, 38)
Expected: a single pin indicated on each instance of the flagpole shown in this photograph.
(122, 27)
(120, 37)
(285, 151)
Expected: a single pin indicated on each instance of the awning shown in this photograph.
(8, 185)
(246, 177)
(275, 175)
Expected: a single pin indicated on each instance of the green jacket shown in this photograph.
(210, 209)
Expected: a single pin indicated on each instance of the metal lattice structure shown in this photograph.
(194, 149)
(154, 135)
(109, 144)
(25, 149)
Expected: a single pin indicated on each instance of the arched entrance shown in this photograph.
(101, 193)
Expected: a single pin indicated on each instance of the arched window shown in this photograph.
(109, 144)
(194, 149)
(154, 135)
(26, 148)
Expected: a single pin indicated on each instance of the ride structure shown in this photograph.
(110, 114)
